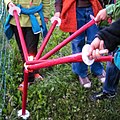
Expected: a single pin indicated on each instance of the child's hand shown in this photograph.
(12, 7)
(57, 14)
(56, 17)
(96, 49)
(10, 4)
(102, 15)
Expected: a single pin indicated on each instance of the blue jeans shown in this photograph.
(112, 78)
(83, 17)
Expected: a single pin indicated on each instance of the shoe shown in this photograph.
(38, 76)
(85, 82)
(102, 96)
(102, 77)
(20, 87)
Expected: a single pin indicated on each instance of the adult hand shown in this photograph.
(96, 49)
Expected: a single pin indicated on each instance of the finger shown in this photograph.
(97, 18)
(94, 54)
(97, 54)
(101, 46)
(90, 57)
(90, 50)
(105, 51)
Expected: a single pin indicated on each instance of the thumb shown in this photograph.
(90, 50)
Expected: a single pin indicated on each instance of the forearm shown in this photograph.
(58, 5)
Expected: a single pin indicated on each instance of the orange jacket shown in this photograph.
(68, 14)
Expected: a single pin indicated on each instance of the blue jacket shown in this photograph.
(35, 25)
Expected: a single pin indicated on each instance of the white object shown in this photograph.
(85, 57)
(56, 18)
(30, 58)
(11, 9)
(23, 116)
(88, 85)
(102, 80)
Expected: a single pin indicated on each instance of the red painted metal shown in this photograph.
(25, 52)
(105, 59)
(24, 94)
(42, 62)
(67, 59)
(45, 41)
(35, 62)
(69, 39)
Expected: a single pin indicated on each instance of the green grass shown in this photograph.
(59, 96)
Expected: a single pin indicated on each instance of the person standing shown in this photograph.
(32, 22)
(74, 14)
(110, 35)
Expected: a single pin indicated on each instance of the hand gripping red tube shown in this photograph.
(67, 40)
(67, 59)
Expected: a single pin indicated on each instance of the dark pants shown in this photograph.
(31, 41)
(112, 77)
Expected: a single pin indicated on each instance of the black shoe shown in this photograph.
(102, 96)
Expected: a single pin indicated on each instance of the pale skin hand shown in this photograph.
(57, 14)
(56, 17)
(10, 4)
(96, 49)
(97, 45)
(102, 15)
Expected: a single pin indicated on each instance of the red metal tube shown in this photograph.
(25, 52)
(105, 59)
(68, 59)
(45, 41)
(48, 63)
(35, 62)
(101, 59)
(24, 94)
(67, 40)
(56, 61)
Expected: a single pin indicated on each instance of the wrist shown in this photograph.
(97, 36)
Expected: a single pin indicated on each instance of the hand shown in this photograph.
(56, 17)
(102, 15)
(57, 14)
(97, 49)
(12, 7)
(10, 4)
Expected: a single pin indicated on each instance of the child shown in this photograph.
(111, 37)
(30, 35)
(74, 14)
